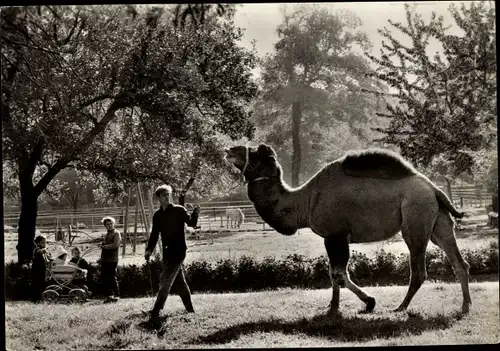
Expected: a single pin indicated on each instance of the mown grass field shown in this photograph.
(284, 318)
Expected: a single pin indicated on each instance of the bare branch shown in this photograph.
(94, 100)
(378, 93)
(68, 38)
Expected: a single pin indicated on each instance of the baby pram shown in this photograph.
(65, 281)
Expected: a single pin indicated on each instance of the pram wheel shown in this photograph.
(77, 295)
(50, 295)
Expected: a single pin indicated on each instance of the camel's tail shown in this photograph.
(444, 200)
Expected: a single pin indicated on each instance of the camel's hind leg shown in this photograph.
(337, 248)
(416, 232)
(444, 237)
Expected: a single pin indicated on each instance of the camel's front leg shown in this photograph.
(337, 248)
(334, 303)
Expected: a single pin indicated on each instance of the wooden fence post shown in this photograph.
(151, 214)
(135, 222)
(125, 221)
(143, 212)
(151, 208)
(69, 235)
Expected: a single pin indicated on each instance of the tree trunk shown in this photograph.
(182, 196)
(26, 228)
(296, 151)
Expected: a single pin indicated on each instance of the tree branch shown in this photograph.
(378, 93)
(68, 38)
(7, 122)
(30, 46)
(95, 99)
(79, 149)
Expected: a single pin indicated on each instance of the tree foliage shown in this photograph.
(77, 79)
(311, 82)
(315, 68)
(198, 14)
(447, 102)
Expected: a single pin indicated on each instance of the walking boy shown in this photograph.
(169, 220)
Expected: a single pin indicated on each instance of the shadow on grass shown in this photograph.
(355, 328)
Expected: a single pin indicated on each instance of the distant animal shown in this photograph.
(364, 196)
(192, 232)
(234, 216)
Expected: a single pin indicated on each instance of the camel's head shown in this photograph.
(254, 162)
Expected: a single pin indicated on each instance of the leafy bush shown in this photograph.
(246, 273)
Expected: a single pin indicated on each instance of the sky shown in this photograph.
(259, 21)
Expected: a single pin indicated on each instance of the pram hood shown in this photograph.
(61, 270)
(59, 251)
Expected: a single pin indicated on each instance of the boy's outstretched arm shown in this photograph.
(192, 220)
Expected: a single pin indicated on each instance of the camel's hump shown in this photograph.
(376, 163)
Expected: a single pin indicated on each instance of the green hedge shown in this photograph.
(247, 274)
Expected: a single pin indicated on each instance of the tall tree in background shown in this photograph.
(446, 111)
(314, 66)
(72, 73)
(199, 14)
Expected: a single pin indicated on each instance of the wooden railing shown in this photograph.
(213, 214)
(210, 216)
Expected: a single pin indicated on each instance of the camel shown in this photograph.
(365, 196)
(234, 217)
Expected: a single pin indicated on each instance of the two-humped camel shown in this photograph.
(362, 197)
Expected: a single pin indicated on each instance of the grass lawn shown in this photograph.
(284, 318)
(261, 244)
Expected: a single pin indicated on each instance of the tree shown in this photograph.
(198, 14)
(446, 104)
(71, 74)
(324, 137)
(314, 67)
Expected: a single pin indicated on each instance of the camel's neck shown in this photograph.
(281, 206)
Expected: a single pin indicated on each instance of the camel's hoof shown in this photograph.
(399, 309)
(370, 305)
(466, 308)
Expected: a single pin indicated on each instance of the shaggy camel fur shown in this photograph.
(234, 217)
(362, 197)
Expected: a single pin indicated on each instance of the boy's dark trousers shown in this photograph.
(172, 277)
(37, 287)
(109, 279)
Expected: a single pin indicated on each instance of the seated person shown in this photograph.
(63, 272)
(77, 260)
